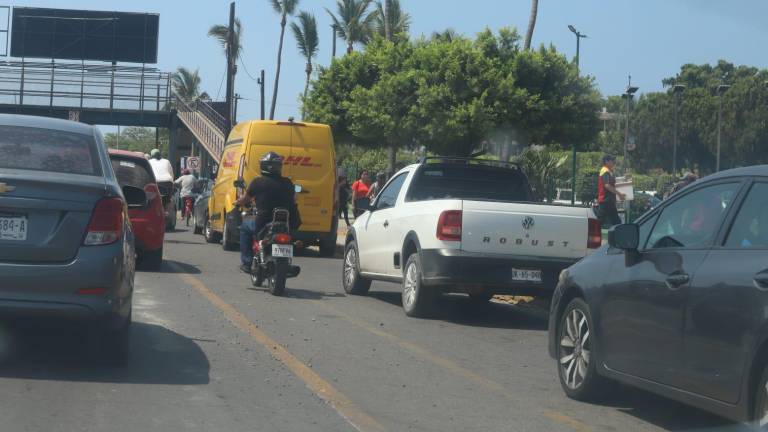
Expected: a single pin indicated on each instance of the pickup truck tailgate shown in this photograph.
(521, 229)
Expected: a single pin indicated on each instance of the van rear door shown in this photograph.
(312, 165)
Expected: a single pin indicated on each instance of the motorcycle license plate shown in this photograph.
(282, 251)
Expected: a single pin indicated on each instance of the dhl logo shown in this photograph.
(300, 161)
(229, 159)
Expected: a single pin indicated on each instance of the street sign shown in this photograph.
(193, 163)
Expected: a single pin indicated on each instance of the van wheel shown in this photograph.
(227, 243)
(353, 283)
(210, 235)
(418, 300)
(328, 246)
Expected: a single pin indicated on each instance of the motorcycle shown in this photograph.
(273, 254)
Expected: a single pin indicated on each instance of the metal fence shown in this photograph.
(84, 86)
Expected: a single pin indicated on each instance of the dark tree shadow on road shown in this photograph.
(158, 356)
(302, 294)
(665, 413)
(458, 309)
(176, 267)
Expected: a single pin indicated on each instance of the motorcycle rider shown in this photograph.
(270, 191)
(187, 183)
(163, 171)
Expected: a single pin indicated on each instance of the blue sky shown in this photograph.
(648, 39)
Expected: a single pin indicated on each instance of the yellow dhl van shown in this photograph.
(309, 161)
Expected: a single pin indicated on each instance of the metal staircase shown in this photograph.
(205, 123)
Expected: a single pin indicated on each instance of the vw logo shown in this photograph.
(528, 223)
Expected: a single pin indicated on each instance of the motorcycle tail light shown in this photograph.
(282, 239)
(256, 247)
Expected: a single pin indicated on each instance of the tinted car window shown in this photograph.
(48, 150)
(645, 230)
(750, 228)
(388, 196)
(131, 173)
(469, 182)
(694, 219)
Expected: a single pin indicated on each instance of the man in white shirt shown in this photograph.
(161, 167)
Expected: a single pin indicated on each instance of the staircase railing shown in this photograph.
(205, 123)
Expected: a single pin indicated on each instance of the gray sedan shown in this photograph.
(66, 243)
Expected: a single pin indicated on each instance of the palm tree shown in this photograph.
(284, 8)
(186, 84)
(447, 35)
(221, 33)
(390, 20)
(308, 42)
(531, 24)
(353, 22)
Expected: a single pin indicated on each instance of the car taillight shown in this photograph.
(282, 239)
(106, 224)
(449, 226)
(595, 235)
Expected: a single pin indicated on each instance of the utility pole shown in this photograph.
(231, 61)
(261, 92)
(720, 90)
(579, 36)
(678, 90)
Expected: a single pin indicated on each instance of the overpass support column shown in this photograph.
(173, 143)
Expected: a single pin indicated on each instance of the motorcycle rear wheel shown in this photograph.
(276, 281)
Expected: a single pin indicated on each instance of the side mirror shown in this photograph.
(298, 188)
(240, 183)
(134, 197)
(625, 237)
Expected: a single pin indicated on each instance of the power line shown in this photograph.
(218, 93)
(242, 63)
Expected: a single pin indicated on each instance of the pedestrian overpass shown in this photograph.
(108, 94)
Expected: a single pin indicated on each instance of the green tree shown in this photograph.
(186, 84)
(308, 43)
(353, 22)
(390, 21)
(138, 139)
(284, 8)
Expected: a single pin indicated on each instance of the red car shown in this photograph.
(132, 169)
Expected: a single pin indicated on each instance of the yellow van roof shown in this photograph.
(285, 123)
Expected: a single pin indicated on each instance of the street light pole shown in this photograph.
(678, 90)
(720, 90)
(579, 36)
(629, 93)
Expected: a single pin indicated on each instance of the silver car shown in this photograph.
(66, 244)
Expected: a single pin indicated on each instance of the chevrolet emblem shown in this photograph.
(4, 188)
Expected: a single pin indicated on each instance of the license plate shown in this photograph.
(522, 275)
(282, 251)
(13, 228)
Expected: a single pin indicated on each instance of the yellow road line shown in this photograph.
(342, 404)
(451, 366)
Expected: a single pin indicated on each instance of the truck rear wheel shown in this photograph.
(418, 300)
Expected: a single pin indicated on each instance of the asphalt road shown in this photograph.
(212, 354)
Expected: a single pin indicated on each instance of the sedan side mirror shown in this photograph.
(625, 237)
(134, 197)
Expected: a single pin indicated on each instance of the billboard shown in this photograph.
(84, 35)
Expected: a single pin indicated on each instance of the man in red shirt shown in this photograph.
(607, 193)
(360, 190)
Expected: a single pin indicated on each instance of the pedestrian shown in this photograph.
(607, 193)
(688, 178)
(344, 194)
(377, 186)
(360, 190)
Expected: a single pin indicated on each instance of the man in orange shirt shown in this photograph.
(607, 193)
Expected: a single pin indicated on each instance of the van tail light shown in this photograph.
(449, 226)
(282, 239)
(106, 225)
(595, 235)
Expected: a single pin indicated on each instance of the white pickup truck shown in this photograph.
(464, 225)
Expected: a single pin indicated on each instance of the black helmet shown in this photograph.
(271, 164)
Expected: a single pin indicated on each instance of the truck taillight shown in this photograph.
(449, 225)
(106, 224)
(595, 235)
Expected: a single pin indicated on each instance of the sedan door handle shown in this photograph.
(676, 280)
(386, 224)
(761, 281)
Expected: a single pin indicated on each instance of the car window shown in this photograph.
(131, 173)
(469, 182)
(388, 197)
(750, 228)
(49, 150)
(693, 220)
(645, 230)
